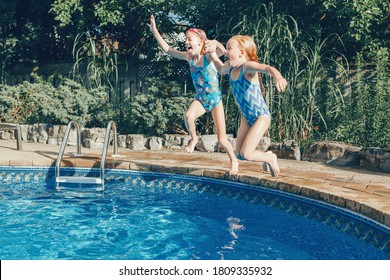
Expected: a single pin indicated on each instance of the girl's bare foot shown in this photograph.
(265, 165)
(191, 146)
(274, 165)
(234, 168)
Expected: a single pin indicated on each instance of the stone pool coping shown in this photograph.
(361, 191)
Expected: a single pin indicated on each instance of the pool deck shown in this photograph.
(359, 190)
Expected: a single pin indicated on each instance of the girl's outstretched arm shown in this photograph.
(219, 48)
(252, 67)
(222, 68)
(163, 44)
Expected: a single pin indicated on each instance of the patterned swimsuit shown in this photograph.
(248, 97)
(205, 79)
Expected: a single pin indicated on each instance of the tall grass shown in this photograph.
(366, 118)
(96, 66)
(100, 59)
(381, 122)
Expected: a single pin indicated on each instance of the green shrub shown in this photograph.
(153, 115)
(41, 102)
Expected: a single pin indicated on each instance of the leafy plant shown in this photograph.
(100, 58)
(154, 115)
(40, 102)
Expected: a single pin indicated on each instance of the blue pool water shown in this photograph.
(161, 216)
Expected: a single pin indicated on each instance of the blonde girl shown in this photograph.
(205, 78)
(243, 69)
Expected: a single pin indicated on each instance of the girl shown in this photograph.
(243, 69)
(205, 79)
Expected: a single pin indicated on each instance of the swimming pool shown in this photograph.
(163, 216)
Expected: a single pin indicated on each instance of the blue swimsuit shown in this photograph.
(248, 97)
(205, 79)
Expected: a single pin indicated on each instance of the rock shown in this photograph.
(207, 143)
(93, 138)
(154, 143)
(53, 131)
(89, 143)
(6, 135)
(61, 132)
(333, 153)
(42, 133)
(122, 141)
(172, 140)
(24, 129)
(52, 141)
(264, 144)
(375, 159)
(185, 141)
(286, 150)
(136, 142)
(37, 133)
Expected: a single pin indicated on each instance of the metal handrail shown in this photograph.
(111, 125)
(63, 145)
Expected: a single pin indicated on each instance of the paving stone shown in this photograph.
(87, 163)
(216, 174)
(177, 169)
(20, 162)
(42, 162)
(122, 165)
(139, 166)
(157, 168)
(4, 162)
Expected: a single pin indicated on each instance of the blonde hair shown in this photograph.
(202, 35)
(247, 44)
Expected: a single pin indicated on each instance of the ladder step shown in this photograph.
(81, 180)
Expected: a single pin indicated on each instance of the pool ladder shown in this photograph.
(85, 180)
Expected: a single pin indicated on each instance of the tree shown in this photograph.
(120, 21)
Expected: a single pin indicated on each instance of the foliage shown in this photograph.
(155, 116)
(365, 23)
(161, 111)
(101, 60)
(29, 32)
(122, 21)
(365, 120)
(294, 36)
(7, 41)
(381, 122)
(41, 102)
(45, 29)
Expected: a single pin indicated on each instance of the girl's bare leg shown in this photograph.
(252, 139)
(194, 111)
(241, 135)
(220, 124)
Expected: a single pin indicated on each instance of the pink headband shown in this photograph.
(197, 32)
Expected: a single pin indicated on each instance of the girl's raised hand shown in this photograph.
(152, 24)
(209, 46)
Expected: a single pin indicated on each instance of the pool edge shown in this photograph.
(358, 203)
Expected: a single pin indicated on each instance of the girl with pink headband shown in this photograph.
(205, 78)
